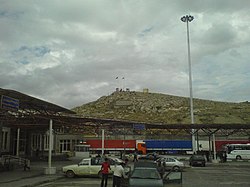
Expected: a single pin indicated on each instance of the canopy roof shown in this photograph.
(28, 106)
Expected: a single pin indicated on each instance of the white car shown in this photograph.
(89, 167)
(171, 163)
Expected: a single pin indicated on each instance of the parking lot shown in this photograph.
(236, 174)
(229, 174)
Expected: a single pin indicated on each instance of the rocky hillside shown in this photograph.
(161, 108)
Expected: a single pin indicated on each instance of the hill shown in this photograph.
(162, 108)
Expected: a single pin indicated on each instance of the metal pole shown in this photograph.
(124, 144)
(188, 19)
(17, 142)
(1, 138)
(197, 142)
(50, 143)
(191, 90)
(214, 148)
(102, 142)
(190, 78)
(209, 142)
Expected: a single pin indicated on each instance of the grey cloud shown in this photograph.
(211, 6)
(220, 34)
(72, 51)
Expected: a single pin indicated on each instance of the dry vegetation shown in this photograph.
(161, 108)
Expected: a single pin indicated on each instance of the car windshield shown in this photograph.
(145, 173)
(97, 161)
(198, 157)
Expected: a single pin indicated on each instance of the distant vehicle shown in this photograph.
(238, 151)
(149, 156)
(141, 147)
(171, 163)
(167, 146)
(176, 146)
(197, 160)
(89, 167)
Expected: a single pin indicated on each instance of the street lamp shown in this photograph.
(187, 19)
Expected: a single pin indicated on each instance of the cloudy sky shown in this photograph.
(69, 52)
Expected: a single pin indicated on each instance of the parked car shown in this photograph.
(146, 174)
(145, 177)
(197, 160)
(89, 167)
(171, 163)
(149, 156)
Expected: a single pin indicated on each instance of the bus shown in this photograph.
(238, 151)
(82, 150)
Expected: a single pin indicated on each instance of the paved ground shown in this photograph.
(223, 174)
(213, 175)
(20, 178)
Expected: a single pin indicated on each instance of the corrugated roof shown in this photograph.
(29, 103)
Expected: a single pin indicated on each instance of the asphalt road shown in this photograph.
(222, 175)
(233, 175)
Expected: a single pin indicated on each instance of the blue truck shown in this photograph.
(169, 146)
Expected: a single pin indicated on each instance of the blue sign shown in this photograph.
(9, 103)
(139, 126)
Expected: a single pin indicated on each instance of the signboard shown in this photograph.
(9, 103)
(139, 126)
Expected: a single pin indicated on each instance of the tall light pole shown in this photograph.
(187, 19)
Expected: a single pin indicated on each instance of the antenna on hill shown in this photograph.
(123, 83)
(120, 84)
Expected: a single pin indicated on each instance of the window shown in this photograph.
(64, 146)
(36, 141)
(96, 161)
(171, 160)
(81, 148)
(84, 162)
(46, 142)
(5, 139)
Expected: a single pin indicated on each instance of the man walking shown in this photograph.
(118, 174)
(105, 172)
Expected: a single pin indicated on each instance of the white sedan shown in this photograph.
(89, 167)
(171, 163)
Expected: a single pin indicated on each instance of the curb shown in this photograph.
(37, 175)
(44, 181)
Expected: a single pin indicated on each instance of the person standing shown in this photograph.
(118, 174)
(155, 156)
(135, 157)
(105, 172)
(126, 161)
(224, 156)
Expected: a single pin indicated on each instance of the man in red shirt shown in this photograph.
(105, 172)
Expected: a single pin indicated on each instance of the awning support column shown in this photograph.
(102, 142)
(50, 170)
(17, 142)
(214, 149)
(50, 143)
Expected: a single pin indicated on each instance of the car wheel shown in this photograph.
(176, 168)
(238, 157)
(203, 164)
(70, 174)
